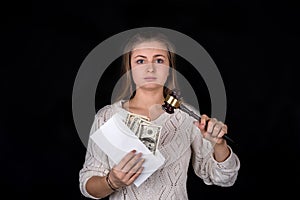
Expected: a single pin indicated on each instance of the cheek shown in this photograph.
(164, 72)
(163, 75)
(136, 74)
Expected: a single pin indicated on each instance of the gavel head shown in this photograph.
(172, 101)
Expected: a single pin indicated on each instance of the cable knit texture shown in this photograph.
(180, 141)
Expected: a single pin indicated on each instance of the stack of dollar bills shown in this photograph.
(146, 131)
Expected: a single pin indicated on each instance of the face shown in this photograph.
(150, 65)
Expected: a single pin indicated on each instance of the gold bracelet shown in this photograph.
(109, 182)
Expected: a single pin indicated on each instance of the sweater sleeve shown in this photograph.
(96, 161)
(206, 167)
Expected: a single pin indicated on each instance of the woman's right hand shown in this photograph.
(128, 169)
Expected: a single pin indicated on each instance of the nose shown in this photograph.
(150, 67)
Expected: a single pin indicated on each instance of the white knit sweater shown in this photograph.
(180, 141)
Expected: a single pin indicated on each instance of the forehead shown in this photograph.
(150, 45)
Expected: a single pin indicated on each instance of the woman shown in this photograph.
(149, 73)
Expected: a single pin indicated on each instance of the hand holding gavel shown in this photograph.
(174, 101)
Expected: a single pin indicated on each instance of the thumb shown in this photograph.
(201, 126)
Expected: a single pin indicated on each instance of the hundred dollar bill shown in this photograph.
(133, 121)
(131, 116)
(149, 134)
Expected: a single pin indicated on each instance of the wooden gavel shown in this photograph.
(174, 101)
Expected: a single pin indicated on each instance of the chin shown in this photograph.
(151, 86)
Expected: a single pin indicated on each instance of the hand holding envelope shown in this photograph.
(116, 139)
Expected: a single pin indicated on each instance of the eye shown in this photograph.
(140, 61)
(160, 60)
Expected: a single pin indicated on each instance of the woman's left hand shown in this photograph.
(212, 129)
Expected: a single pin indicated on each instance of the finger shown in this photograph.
(135, 168)
(203, 121)
(132, 162)
(217, 129)
(210, 126)
(125, 160)
(121, 177)
(134, 176)
(223, 131)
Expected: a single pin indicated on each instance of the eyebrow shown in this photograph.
(157, 55)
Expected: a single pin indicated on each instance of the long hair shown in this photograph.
(128, 87)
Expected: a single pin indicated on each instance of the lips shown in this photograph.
(150, 78)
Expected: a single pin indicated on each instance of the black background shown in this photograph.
(255, 45)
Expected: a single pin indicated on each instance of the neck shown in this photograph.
(146, 98)
(147, 103)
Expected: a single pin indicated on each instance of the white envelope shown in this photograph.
(115, 139)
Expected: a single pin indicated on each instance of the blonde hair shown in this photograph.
(128, 87)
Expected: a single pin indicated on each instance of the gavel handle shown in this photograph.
(197, 117)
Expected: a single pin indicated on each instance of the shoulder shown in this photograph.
(107, 111)
(104, 110)
(192, 108)
(182, 118)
